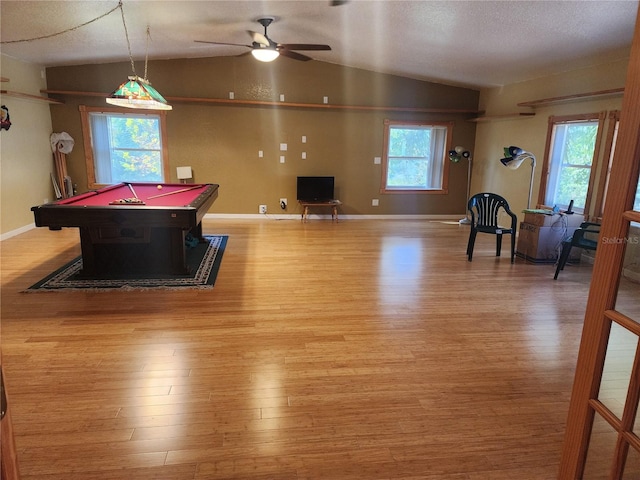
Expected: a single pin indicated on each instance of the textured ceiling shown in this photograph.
(470, 43)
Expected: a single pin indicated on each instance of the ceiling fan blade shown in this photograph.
(294, 55)
(259, 38)
(223, 43)
(303, 46)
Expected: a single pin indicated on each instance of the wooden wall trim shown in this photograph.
(571, 98)
(262, 103)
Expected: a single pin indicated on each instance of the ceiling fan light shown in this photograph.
(265, 54)
(137, 92)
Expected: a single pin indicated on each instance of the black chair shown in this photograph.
(484, 208)
(582, 238)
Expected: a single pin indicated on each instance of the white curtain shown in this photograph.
(438, 144)
(100, 143)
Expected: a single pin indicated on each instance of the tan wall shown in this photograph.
(490, 175)
(530, 133)
(25, 151)
(221, 143)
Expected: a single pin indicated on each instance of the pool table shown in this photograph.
(132, 227)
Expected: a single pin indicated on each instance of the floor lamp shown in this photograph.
(513, 158)
(455, 156)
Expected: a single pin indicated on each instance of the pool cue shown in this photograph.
(174, 192)
(135, 195)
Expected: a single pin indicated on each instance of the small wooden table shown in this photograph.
(333, 204)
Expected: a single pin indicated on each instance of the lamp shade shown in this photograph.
(137, 92)
(513, 151)
(265, 54)
(459, 153)
(513, 163)
(514, 156)
(184, 173)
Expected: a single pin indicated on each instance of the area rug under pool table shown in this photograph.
(204, 261)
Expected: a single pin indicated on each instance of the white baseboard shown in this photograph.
(297, 216)
(285, 216)
(16, 232)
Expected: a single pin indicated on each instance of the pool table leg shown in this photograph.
(197, 232)
(88, 252)
(179, 251)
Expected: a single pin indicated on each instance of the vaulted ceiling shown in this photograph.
(469, 43)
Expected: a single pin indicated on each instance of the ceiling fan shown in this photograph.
(266, 50)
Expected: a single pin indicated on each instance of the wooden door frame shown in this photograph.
(606, 273)
(8, 454)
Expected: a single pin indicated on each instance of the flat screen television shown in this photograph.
(315, 189)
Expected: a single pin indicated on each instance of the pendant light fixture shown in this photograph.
(137, 92)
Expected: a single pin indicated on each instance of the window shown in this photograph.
(414, 157)
(609, 151)
(636, 202)
(569, 161)
(124, 145)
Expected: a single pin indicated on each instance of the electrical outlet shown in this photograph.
(283, 203)
(262, 209)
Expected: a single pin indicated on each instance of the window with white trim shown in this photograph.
(610, 147)
(124, 146)
(570, 161)
(414, 157)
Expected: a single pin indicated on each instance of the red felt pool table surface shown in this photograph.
(171, 194)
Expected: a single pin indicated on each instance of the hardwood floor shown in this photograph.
(355, 350)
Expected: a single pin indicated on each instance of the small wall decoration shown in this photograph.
(5, 122)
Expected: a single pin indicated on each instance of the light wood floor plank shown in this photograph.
(355, 350)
